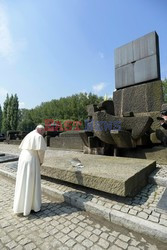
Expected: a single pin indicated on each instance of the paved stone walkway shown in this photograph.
(62, 227)
(138, 213)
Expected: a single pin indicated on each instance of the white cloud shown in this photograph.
(98, 87)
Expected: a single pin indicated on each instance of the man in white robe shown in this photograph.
(28, 180)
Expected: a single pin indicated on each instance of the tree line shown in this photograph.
(71, 108)
(66, 108)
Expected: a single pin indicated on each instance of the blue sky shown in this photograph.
(55, 48)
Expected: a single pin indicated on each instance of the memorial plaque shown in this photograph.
(137, 61)
(124, 76)
(145, 46)
(145, 69)
(124, 55)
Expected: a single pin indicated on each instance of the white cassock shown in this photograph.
(28, 180)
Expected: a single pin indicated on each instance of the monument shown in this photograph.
(129, 121)
(114, 127)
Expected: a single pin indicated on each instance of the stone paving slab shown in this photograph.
(138, 214)
(142, 206)
(60, 226)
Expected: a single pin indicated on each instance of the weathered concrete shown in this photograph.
(85, 135)
(158, 153)
(91, 109)
(68, 140)
(103, 123)
(120, 176)
(154, 138)
(164, 106)
(133, 99)
(108, 106)
(122, 139)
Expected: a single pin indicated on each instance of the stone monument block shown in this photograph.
(115, 175)
(143, 98)
(107, 105)
(91, 109)
(85, 136)
(103, 123)
(122, 139)
(164, 106)
(67, 140)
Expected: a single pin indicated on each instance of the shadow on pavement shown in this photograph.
(56, 208)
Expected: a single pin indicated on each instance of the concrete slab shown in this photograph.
(7, 157)
(115, 175)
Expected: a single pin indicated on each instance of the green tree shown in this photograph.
(5, 121)
(14, 112)
(10, 113)
(164, 84)
(25, 120)
(66, 108)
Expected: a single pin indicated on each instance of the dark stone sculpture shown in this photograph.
(130, 120)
